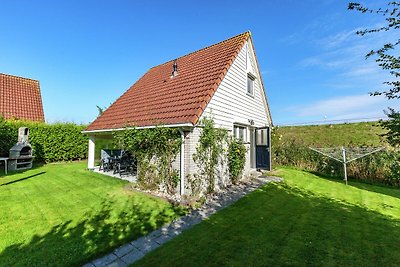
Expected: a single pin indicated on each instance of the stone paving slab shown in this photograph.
(133, 256)
(118, 263)
(135, 250)
(123, 250)
(105, 261)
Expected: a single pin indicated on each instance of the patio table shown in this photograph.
(5, 164)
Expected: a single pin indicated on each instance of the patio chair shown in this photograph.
(117, 153)
(105, 155)
(127, 165)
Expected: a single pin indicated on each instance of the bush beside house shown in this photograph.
(157, 152)
(291, 148)
(50, 142)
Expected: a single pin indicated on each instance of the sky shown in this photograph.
(88, 53)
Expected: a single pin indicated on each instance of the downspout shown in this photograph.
(182, 158)
(269, 147)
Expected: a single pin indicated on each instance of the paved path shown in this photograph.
(131, 252)
(130, 178)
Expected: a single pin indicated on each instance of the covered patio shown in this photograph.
(103, 141)
(127, 177)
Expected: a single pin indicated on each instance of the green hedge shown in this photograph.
(50, 142)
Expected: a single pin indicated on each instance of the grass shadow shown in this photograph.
(279, 225)
(12, 173)
(364, 185)
(22, 179)
(381, 189)
(75, 243)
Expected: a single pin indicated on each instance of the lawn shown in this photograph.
(306, 220)
(63, 215)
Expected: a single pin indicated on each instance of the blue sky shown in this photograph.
(87, 53)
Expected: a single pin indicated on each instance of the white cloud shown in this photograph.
(338, 58)
(337, 39)
(344, 107)
(342, 56)
(362, 71)
(321, 24)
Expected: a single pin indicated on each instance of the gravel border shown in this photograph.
(135, 250)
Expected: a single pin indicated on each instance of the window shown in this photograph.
(250, 84)
(239, 132)
(262, 137)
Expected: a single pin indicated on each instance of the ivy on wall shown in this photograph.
(214, 149)
(155, 149)
(236, 159)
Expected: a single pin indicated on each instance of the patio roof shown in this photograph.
(161, 98)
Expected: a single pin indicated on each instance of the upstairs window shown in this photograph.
(250, 84)
(239, 132)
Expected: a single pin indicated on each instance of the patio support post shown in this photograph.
(182, 166)
(91, 152)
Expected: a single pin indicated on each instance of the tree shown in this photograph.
(100, 110)
(384, 58)
(393, 127)
(388, 61)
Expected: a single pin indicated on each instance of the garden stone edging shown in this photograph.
(135, 250)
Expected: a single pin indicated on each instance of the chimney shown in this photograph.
(23, 135)
(175, 69)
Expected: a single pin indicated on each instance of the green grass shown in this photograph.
(63, 215)
(356, 134)
(307, 220)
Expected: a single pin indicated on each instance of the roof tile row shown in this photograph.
(20, 98)
(156, 98)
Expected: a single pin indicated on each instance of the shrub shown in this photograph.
(210, 152)
(236, 159)
(382, 167)
(155, 149)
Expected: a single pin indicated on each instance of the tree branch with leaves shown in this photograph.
(388, 60)
(385, 57)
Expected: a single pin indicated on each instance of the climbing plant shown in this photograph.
(236, 159)
(155, 150)
(210, 152)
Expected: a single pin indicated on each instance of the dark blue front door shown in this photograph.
(263, 154)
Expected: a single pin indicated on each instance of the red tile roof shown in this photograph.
(20, 98)
(156, 98)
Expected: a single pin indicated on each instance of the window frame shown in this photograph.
(236, 132)
(250, 80)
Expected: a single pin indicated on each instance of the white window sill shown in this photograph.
(252, 95)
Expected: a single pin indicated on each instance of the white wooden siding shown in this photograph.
(231, 103)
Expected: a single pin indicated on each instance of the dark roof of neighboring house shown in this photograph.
(20, 98)
(156, 98)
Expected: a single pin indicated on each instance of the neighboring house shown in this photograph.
(222, 82)
(20, 98)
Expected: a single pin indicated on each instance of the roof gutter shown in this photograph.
(139, 127)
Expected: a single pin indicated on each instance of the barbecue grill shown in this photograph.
(20, 157)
